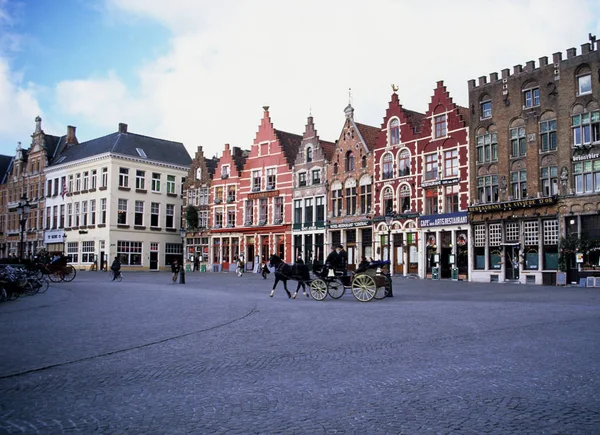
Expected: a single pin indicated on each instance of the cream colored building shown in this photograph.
(117, 195)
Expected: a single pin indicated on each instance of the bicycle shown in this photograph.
(118, 278)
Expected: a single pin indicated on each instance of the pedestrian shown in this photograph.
(175, 270)
(264, 269)
(116, 268)
(197, 263)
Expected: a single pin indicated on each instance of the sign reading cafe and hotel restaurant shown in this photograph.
(437, 220)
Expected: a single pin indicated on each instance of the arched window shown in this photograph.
(350, 161)
(309, 154)
(388, 200)
(404, 164)
(584, 80)
(404, 198)
(387, 170)
(395, 132)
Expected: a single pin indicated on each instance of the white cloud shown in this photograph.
(227, 61)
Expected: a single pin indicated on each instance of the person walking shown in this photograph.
(116, 268)
(175, 268)
(264, 269)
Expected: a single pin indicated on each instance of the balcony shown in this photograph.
(256, 188)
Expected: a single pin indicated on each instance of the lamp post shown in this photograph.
(182, 233)
(389, 218)
(22, 210)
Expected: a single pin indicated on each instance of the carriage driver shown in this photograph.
(342, 259)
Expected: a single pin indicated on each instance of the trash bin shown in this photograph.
(455, 274)
(203, 268)
(435, 273)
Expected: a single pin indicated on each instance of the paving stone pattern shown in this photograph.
(217, 355)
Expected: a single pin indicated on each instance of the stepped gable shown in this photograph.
(411, 122)
(290, 144)
(239, 157)
(311, 135)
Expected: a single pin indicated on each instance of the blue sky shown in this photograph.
(200, 72)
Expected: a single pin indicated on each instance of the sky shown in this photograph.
(199, 72)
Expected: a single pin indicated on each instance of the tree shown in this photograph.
(191, 216)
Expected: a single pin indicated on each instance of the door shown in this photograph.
(102, 261)
(445, 271)
(154, 260)
(511, 263)
(250, 256)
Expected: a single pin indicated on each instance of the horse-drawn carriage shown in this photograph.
(366, 283)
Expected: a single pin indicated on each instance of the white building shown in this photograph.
(117, 195)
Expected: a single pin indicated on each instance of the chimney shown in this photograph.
(122, 127)
(71, 137)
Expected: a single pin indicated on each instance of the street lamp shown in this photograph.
(23, 210)
(182, 233)
(389, 218)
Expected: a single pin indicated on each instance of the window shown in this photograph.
(92, 212)
(518, 182)
(171, 184)
(130, 253)
(548, 135)
(486, 109)
(140, 179)
(388, 166)
(431, 201)
(364, 162)
(451, 163)
(70, 185)
(55, 217)
(550, 242)
(365, 198)
(230, 194)
(395, 132)
(302, 179)
(84, 213)
(256, 181)
(73, 252)
(69, 215)
(56, 190)
(219, 218)
(388, 201)
(584, 84)
(155, 182)
(123, 177)
(404, 198)
(102, 211)
(203, 219)
(452, 203)
(316, 176)
(440, 126)
(225, 171)
(487, 148)
(479, 245)
(121, 212)
(309, 155)
(141, 153)
(77, 182)
(271, 177)
(218, 194)
(512, 232)
(320, 209)
(87, 251)
(587, 176)
(518, 145)
(203, 196)
(262, 211)
(335, 169)
(249, 212)
(62, 216)
(170, 216)
(336, 202)
(104, 178)
(93, 179)
(586, 128)
(531, 97)
(297, 211)
(278, 210)
(350, 161)
(199, 174)
(351, 200)
(154, 214)
(431, 166)
(49, 188)
(138, 218)
(86, 178)
(549, 180)
(487, 188)
(404, 164)
(231, 217)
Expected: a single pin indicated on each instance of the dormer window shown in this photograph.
(199, 174)
(141, 153)
(225, 171)
(395, 132)
(309, 155)
(440, 126)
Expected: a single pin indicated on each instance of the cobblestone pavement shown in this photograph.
(217, 355)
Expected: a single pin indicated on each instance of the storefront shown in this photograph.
(446, 248)
(356, 237)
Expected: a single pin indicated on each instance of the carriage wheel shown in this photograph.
(318, 289)
(335, 289)
(55, 275)
(363, 287)
(384, 290)
(69, 273)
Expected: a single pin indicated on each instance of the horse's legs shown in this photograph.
(275, 285)
(286, 289)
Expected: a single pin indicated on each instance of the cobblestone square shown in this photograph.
(217, 355)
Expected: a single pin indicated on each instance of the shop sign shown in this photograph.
(54, 236)
(443, 182)
(585, 157)
(311, 228)
(511, 205)
(267, 194)
(350, 225)
(438, 220)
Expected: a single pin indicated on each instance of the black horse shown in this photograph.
(285, 272)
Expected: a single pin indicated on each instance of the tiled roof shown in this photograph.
(211, 165)
(158, 150)
(53, 145)
(415, 119)
(328, 149)
(239, 157)
(5, 162)
(290, 143)
(369, 134)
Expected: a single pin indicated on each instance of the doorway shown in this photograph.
(511, 263)
(153, 260)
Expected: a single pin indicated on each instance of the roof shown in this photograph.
(53, 145)
(369, 134)
(211, 165)
(464, 114)
(158, 150)
(5, 162)
(328, 148)
(415, 119)
(290, 143)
